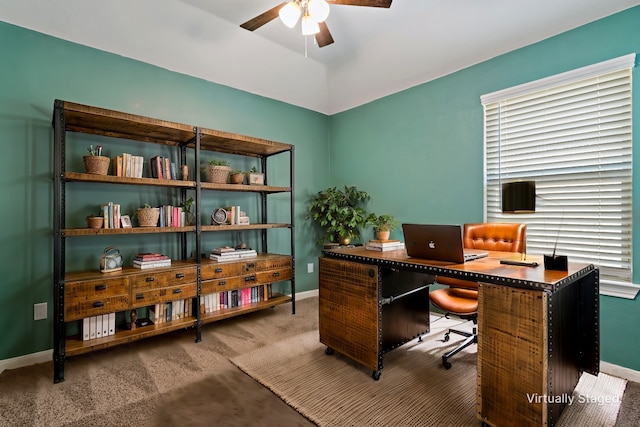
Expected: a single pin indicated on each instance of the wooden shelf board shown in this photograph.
(244, 187)
(226, 313)
(242, 227)
(76, 346)
(232, 143)
(133, 230)
(110, 179)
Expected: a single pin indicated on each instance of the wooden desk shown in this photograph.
(538, 330)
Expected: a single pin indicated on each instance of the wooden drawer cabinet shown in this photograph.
(273, 275)
(141, 298)
(220, 269)
(222, 284)
(93, 297)
(160, 279)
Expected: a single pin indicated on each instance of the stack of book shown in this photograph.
(228, 253)
(151, 260)
(384, 245)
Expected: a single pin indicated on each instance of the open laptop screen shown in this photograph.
(438, 242)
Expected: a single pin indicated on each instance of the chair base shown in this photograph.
(472, 338)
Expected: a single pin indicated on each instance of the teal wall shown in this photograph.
(417, 152)
(35, 70)
(424, 146)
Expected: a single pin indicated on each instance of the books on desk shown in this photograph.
(151, 260)
(384, 245)
(226, 253)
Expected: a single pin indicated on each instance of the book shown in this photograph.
(151, 264)
(150, 256)
(395, 247)
(222, 250)
(382, 242)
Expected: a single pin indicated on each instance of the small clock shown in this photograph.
(219, 216)
(111, 260)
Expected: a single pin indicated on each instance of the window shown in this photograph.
(570, 133)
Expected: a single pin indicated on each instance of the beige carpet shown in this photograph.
(334, 391)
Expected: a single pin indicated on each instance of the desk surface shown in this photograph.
(484, 269)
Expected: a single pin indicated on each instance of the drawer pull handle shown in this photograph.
(218, 270)
(179, 275)
(139, 296)
(276, 274)
(177, 291)
(222, 283)
(149, 279)
(251, 265)
(249, 278)
(98, 304)
(101, 287)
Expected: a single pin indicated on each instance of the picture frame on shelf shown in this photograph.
(125, 220)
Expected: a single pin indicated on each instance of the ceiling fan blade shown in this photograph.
(369, 3)
(260, 20)
(323, 38)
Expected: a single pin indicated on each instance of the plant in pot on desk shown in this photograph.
(383, 225)
(339, 213)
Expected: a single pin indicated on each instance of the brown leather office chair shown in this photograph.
(461, 297)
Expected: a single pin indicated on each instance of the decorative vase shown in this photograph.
(148, 217)
(218, 174)
(97, 165)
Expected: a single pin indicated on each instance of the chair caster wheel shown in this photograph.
(446, 364)
(328, 351)
(446, 337)
(376, 375)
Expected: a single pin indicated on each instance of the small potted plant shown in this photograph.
(383, 225)
(236, 177)
(254, 177)
(218, 171)
(95, 221)
(148, 216)
(95, 163)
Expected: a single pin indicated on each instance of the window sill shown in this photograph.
(619, 289)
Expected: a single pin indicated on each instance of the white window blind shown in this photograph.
(573, 137)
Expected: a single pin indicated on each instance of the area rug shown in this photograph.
(413, 390)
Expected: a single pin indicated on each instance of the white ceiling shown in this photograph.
(376, 51)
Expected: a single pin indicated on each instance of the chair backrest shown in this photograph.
(501, 237)
(495, 237)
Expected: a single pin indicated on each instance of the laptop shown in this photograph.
(438, 242)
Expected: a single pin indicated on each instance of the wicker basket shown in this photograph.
(95, 221)
(148, 217)
(236, 178)
(98, 165)
(218, 174)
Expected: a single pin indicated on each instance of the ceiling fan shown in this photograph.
(290, 13)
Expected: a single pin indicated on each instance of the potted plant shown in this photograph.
(218, 171)
(236, 177)
(338, 213)
(148, 216)
(254, 177)
(186, 208)
(383, 225)
(95, 163)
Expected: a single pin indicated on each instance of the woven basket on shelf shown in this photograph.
(148, 217)
(98, 165)
(95, 221)
(218, 174)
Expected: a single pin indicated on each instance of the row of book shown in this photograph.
(172, 310)
(98, 326)
(228, 253)
(151, 260)
(384, 245)
(128, 165)
(172, 216)
(112, 216)
(236, 216)
(217, 301)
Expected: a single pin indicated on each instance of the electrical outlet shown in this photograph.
(40, 311)
(310, 267)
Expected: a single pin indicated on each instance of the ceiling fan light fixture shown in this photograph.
(319, 9)
(290, 13)
(309, 26)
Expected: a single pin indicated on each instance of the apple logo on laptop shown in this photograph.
(432, 244)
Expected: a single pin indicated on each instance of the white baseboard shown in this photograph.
(47, 355)
(619, 371)
(26, 360)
